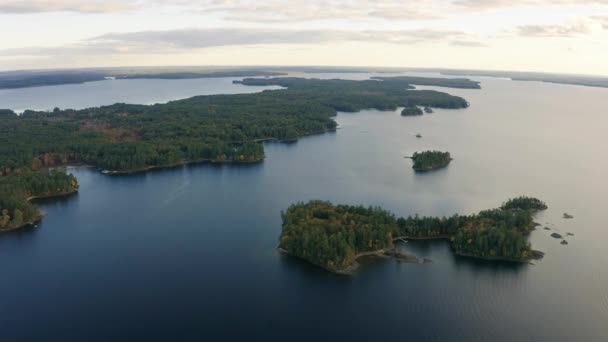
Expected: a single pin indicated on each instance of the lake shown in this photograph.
(190, 253)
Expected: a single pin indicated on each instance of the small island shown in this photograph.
(19, 189)
(524, 203)
(409, 111)
(430, 160)
(334, 236)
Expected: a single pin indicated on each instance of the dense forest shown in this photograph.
(220, 128)
(430, 160)
(463, 83)
(524, 203)
(16, 189)
(332, 236)
(408, 111)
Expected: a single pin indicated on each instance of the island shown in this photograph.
(124, 138)
(334, 236)
(430, 160)
(17, 190)
(409, 111)
(525, 203)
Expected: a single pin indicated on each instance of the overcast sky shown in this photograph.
(565, 36)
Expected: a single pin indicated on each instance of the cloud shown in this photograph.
(603, 20)
(497, 4)
(553, 30)
(202, 38)
(184, 40)
(305, 10)
(88, 6)
(468, 43)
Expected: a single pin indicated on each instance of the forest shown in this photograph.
(17, 189)
(430, 160)
(331, 236)
(407, 111)
(218, 128)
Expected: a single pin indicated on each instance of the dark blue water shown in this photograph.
(189, 253)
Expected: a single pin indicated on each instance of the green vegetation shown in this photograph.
(23, 79)
(430, 160)
(219, 128)
(17, 189)
(524, 203)
(463, 83)
(210, 74)
(12, 80)
(333, 236)
(408, 111)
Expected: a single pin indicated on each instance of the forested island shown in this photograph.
(409, 111)
(334, 236)
(430, 160)
(18, 189)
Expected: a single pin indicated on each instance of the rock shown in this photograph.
(536, 254)
(547, 228)
(564, 242)
(568, 216)
(556, 235)
(569, 234)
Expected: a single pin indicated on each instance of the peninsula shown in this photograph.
(334, 236)
(18, 189)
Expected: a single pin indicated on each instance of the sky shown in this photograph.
(564, 36)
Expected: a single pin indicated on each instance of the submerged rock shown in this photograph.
(564, 242)
(568, 216)
(556, 235)
(569, 234)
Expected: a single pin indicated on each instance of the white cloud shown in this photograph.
(88, 6)
(152, 42)
(554, 30)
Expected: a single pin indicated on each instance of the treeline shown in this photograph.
(430, 160)
(332, 235)
(222, 128)
(16, 189)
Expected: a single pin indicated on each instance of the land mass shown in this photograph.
(26, 79)
(17, 190)
(124, 138)
(334, 236)
(430, 160)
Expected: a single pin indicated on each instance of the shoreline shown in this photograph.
(392, 252)
(389, 252)
(39, 217)
(210, 161)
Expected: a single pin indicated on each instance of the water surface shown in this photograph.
(189, 253)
